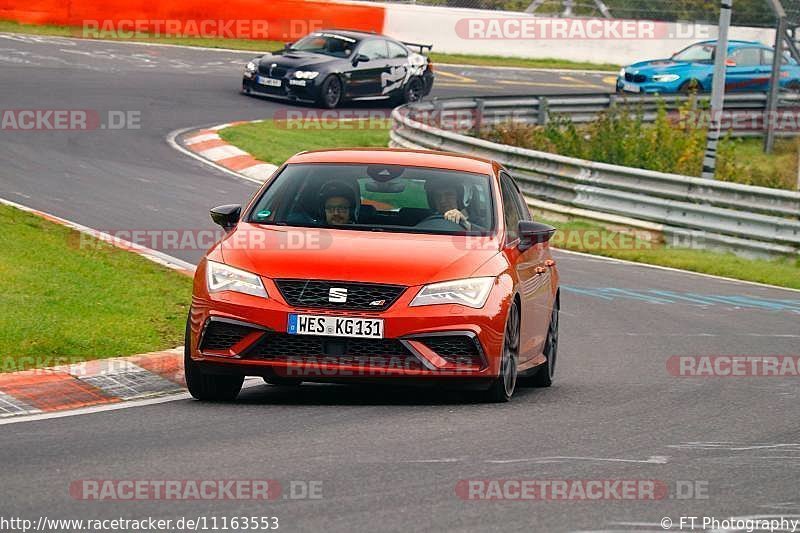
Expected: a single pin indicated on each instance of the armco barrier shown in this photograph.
(689, 211)
(285, 20)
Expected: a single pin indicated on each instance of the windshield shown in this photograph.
(378, 198)
(697, 53)
(326, 43)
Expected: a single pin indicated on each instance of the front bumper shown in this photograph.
(412, 336)
(648, 87)
(290, 89)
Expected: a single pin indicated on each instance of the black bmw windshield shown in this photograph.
(389, 198)
(330, 44)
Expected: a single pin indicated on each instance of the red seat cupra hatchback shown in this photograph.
(377, 265)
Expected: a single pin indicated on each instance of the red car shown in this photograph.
(377, 264)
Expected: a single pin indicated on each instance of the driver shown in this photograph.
(447, 199)
(337, 203)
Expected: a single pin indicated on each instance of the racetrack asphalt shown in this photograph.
(389, 459)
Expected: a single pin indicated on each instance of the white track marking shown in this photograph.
(171, 140)
(670, 269)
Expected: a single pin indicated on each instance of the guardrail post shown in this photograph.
(477, 122)
(437, 112)
(543, 112)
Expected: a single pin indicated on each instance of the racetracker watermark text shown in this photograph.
(199, 28)
(68, 120)
(580, 489)
(541, 28)
(734, 366)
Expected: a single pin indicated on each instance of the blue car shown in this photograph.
(749, 68)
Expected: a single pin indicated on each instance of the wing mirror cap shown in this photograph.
(532, 233)
(226, 216)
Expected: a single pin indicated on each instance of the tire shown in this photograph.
(502, 388)
(690, 87)
(546, 374)
(208, 387)
(413, 90)
(330, 93)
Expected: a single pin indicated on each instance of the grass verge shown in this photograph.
(67, 297)
(264, 46)
(273, 143)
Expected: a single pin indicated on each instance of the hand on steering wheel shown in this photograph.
(456, 216)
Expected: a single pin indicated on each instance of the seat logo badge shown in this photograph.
(377, 302)
(337, 295)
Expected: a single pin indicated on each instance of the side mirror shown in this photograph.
(532, 233)
(226, 216)
(360, 58)
(286, 46)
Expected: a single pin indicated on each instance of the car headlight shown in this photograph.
(622, 72)
(471, 292)
(306, 74)
(665, 77)
(251, 66)
(221, 277)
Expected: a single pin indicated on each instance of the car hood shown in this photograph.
(351, 255)
(657, 66)
(292, 59)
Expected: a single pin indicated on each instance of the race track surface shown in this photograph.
(390, 459)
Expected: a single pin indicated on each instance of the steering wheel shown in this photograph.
(437, 221)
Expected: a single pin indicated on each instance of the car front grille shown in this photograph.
(636, 78)
(359, 296)
(222, 336)
(455, 349)
(321, 349)
(272, 72)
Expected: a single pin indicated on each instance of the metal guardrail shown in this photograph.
(690, 211)
(744, 112)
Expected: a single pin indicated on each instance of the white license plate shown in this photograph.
(630, 87)
(335, 326)
(271, 82)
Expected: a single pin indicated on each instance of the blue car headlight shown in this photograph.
(665, 78)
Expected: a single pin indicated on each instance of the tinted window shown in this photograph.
(701, 53)
(511, 209)
(326, 43)
(390, 198)
(374, 49)
(746, 57)
(396, 51)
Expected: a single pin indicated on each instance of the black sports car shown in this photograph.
(328, 67)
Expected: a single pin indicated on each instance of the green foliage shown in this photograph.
(673, 142)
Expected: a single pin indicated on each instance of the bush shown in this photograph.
(673, 143)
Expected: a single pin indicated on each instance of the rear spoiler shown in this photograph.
(421, 47)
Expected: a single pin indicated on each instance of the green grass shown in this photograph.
(780, 272)
(66, 297)
(269, 46)
(274, 144)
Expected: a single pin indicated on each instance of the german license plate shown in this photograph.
(335, 326)
(631, 87)
(271, 82)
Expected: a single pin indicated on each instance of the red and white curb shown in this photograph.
(102, 381)
(206, 145)
(91, 383)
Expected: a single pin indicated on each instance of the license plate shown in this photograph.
(335, 326)
(271, 82)
(630, 87)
